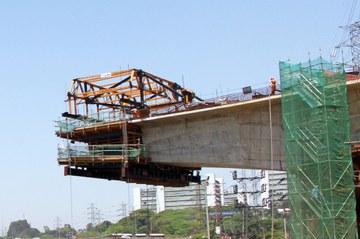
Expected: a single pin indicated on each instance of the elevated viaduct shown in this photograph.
(136, 143)
(229, 136)
(136, 127)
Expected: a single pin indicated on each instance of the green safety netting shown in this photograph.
(318, 159)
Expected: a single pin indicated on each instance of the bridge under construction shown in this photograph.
(101, 140)
(137, 127)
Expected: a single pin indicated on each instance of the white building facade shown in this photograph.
(210, 192)
(275, 188)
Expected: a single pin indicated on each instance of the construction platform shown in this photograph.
(104, 144)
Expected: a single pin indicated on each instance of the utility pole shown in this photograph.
(284, 212)
(249, 181)
(57, 223)
(94, 215)
(206, 184)
(123, 210)
(135, 224)
(148, 213)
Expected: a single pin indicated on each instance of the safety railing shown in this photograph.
(104, 117)
(70, 124)
(309, 92)
(247, 94)
(123, 150)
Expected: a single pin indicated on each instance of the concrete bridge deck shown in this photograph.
(230, 136)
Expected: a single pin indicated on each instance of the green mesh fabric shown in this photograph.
(318, 161)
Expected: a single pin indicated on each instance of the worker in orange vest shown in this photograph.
(136, 113)
(273, 85)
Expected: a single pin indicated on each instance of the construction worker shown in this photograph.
(136, 113)
(273, 85)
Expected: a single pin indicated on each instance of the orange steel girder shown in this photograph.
(128, 89)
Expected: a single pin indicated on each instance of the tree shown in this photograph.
(233, 225)
(103, 226)
(46, 229)
(139, 221)
(50, 234)
(89, 227)
(181, 223)
(67, 231)
(95, 231)
(255, 222)
(18, 227)
(30, 233)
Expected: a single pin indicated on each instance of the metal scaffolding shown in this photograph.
(318, 161)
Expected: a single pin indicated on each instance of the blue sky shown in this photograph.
(217, 46)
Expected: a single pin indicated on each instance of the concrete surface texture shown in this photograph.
(228, 136)
(231, 136)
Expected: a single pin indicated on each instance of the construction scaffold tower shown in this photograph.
(318, 159)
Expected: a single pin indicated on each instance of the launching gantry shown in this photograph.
(101, 140)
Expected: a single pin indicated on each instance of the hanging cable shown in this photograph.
(125, 142)
(352, 10)
(272, 168)
(69, 165)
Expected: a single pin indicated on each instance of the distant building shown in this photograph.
(160, 198)
(231, 198)
(214, 190)
(145, 198)
(184, 197)
(274, 186)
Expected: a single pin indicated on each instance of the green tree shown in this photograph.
(18, 227)
(46, 229)
(95, 231)
(255, 222)
(50, 233)
(192, 222)
(233, 225)
(89, 227)
(173, 223)
(30, 233)
(22, 228)
(67, 231)
(47, 235)
(139, 221)
(102, 227)
(182, 223)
